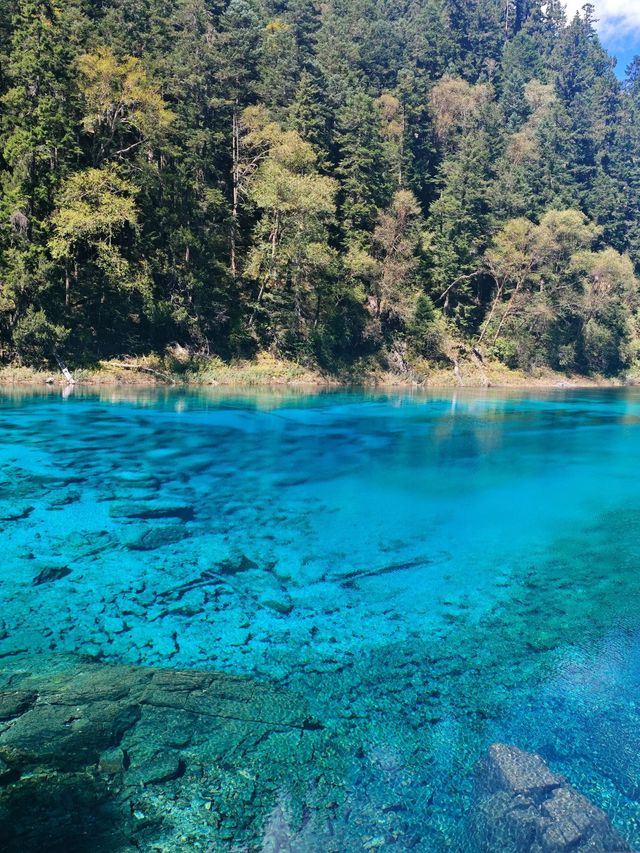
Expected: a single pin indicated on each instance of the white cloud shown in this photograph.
(617, 19)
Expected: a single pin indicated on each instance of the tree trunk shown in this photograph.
(235, 190)
(506, 314)
(486, 323)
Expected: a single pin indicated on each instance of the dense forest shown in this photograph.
(337, 182)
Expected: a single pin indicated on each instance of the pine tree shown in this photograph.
(39, 146)
(459, 223)
(362, 170)
(237, 69)
(310, 115)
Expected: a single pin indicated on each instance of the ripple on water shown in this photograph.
(431, 574)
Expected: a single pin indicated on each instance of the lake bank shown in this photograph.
(268, 372)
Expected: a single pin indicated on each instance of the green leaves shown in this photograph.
(94, 206)
(290, 252)
(556, 299)
(124, 109)
(36, 339)
(365, 181)
(318, 179)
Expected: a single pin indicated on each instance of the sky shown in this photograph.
(619, 27)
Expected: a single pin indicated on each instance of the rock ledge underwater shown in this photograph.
(106, 758)
(520, 806)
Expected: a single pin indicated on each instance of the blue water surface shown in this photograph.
(433, 572)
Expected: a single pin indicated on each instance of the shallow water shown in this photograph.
(434, 573)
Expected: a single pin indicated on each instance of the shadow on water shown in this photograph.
(70, 817)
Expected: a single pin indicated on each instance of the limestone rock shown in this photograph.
(86, 747)
(520, 806)
(151, 538)
(15, 513)
(150, 510)
(49, 574)
(507, 768)
(13, 703)
(7, 773)
(282, 605)
(234, 566)
(113, 761)
(162, 766)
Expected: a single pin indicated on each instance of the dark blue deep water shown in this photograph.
(433, 573)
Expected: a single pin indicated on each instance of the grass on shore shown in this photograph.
(266, 370)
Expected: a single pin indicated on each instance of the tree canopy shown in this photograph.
(340, 183)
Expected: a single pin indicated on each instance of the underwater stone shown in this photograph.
(138, 478)
(16, 513)
(157, 768)
(281, 606)
(7, 773)
(236, 566)
(151, 510)
(50, 574)
(112, 761)
(520, 806)
(89, 740)
(13, 703)
(156, 537)
(65, 736)
(70, 497)
(507, 768)
(114, 625)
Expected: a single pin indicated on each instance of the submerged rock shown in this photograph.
(65, 499)
(15, 513)
(156, 769)
(281, 605)
(49, 574)
(13, 703)
(113, 761)
(520, 806)
(83, 749)
(236, 565)
(150, 510)
(150, 538)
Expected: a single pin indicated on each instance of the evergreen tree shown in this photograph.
(458, 226)
(237, 61)
(310, 115)
(236, 174)
(279, 67)
(39, 146)
(364, 181)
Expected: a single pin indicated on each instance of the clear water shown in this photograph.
(434, 573)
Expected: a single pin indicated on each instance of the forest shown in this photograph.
(339, 183)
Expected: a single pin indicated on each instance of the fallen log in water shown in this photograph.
(65, 370)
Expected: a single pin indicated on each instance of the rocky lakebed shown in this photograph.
(306, 623)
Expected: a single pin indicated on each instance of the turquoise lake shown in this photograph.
(433, 573)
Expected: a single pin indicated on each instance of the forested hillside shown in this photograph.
(340, 182)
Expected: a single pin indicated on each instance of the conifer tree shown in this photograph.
(364, 179)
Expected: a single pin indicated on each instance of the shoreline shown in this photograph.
(100, 380)
(286, 376)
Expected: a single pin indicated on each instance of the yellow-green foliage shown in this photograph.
(93, 206)
(290, 248)
(558, 299)
(120, 97)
